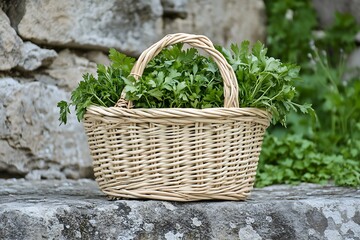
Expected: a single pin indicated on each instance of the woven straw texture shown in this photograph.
(177, 154)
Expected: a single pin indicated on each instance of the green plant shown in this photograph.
(339, 37)
(289, 29)
(265, 82)
(322, 151)
(339, 103)
(328, 149)
(177, 78)
(292, 159)
(183, 78)
(104, 90)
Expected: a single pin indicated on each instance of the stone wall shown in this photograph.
(46, 46)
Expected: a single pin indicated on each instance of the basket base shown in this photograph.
(177, 196)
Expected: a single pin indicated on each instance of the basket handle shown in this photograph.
(230, 82)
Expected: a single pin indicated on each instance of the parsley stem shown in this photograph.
(100, 101)
(261, 97)
(258, 84)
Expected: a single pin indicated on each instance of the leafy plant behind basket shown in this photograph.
(328, 150)
(178, 78)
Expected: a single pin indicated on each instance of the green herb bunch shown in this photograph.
(265, 82)
(178, 78)
(104, 90)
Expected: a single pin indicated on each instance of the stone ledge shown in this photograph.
(78, 210)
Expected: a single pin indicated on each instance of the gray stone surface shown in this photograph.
(14, 53)
(131, 26)
(175, 8)
(97, 57)
(33, 57)
(127, 25)
(78, 210)
(68, 68)
(10, 44)
(31, 141)
(224, 22)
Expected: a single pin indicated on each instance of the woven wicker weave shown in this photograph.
(178, 154)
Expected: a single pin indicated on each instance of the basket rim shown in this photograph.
(177, 112)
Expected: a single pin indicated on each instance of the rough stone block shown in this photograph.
(78, 210)
(10, 44)
(131, 26)
(33, 57)
(224, 22)
(68, 68)
(127, 25)
(31, 141)
(14, 53)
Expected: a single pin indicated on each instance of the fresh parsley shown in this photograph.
(265, 82)
(178, 78)
(103, 90)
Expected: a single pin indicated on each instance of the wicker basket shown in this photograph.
(178, 154)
